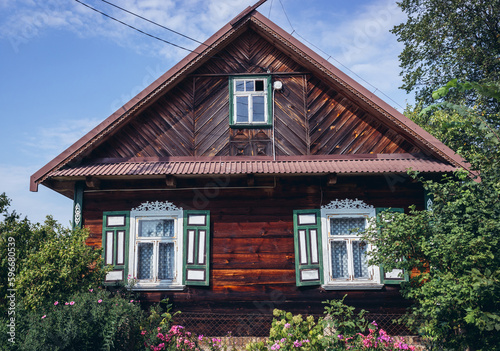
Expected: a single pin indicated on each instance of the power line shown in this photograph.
(155, 23)
(134, 28)
(340, 63)
(157, 38)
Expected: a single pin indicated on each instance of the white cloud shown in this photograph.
(360, 41)
(48, 142)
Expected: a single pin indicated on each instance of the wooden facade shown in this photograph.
(318, 115)
(253, 259)
(311, 117)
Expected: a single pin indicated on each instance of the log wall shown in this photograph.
(252, 259)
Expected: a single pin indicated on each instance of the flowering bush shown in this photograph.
(342, 329)
(159, 332)
(289, 332)
(375, 340)
(90, 320)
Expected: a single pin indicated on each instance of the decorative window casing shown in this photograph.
(344, 253)
(156, 241)
(250, 102)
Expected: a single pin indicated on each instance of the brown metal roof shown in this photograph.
(294, 165)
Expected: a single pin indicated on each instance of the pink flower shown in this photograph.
(99, 301)
(44, 316)
(143, 332)
(66, 303)
(72, 303)
(287, 325)
(56, 303)
(91, 290)
(131, 301)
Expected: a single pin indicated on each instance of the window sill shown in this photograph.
(353, 286)
(251, 126)
(157, 287)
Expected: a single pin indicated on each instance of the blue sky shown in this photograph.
(65, 68)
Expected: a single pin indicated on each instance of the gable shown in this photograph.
(311, 117)
(185, 113)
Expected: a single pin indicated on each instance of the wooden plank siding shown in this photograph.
(310, 117)
(252, 247)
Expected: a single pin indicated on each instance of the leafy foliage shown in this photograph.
(51, 261)
(341, 329)
(449, 39)
(453, 250)
(91, 320)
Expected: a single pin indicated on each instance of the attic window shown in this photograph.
(250, 102)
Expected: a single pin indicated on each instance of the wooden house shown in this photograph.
(239, 178)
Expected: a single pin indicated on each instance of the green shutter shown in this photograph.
(78, 205)
(196, 268)
(115, 244)
(391, 277)
(308, 247)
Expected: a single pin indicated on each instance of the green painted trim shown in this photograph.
(405, 277)
(270, 106)
(205, 267)
(115, 230)
(299, 267)
(78, 205)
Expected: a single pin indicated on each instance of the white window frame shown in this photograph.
(346, 209)
(249, 95)
(178, 239)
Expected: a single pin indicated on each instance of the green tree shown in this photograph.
(456, 246)
(46, 261)
(449, 39)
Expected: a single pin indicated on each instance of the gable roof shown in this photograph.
(301, 53)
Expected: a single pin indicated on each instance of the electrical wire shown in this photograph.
(155, 23)
(136, 29)
(340, 63)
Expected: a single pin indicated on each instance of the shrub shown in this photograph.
(91, 320)
(341, 329)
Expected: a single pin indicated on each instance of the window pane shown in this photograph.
(145, 261)
(166, 261)
(346, 226)
(258, 109)
(156, 228)
(359, 249)
(241, 109)
(249, 84)
(259, 85)
(339, 260)
(240, 85)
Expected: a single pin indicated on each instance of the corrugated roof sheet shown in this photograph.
(212, 167)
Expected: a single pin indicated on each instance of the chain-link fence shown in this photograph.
(258, 325)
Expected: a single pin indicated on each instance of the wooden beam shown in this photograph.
(250, 180)
(92, 182)
(170, 181)
(332, 179)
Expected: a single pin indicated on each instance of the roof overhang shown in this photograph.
(296, 165)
